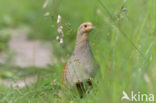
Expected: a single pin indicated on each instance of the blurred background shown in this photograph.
(31, 59)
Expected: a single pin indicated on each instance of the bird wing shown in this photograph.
(64, 72)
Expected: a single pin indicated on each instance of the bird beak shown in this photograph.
(92, 27)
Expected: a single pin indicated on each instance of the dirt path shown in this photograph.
(28, 52)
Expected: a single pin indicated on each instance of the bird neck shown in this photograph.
(82, 45)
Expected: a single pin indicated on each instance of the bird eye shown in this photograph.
(85, 26)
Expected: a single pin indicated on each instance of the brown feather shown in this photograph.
(64, 73)
(77, 73)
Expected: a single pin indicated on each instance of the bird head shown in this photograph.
(86, 27)
(84, 30)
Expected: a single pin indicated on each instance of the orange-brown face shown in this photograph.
(86, 27)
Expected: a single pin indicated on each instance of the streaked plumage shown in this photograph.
(81, 66)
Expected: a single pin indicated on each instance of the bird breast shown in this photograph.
(80, 67)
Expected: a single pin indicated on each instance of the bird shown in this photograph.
(82, 66)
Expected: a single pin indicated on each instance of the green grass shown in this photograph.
(123, 43)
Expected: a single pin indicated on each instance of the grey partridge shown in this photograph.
(82, 65)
